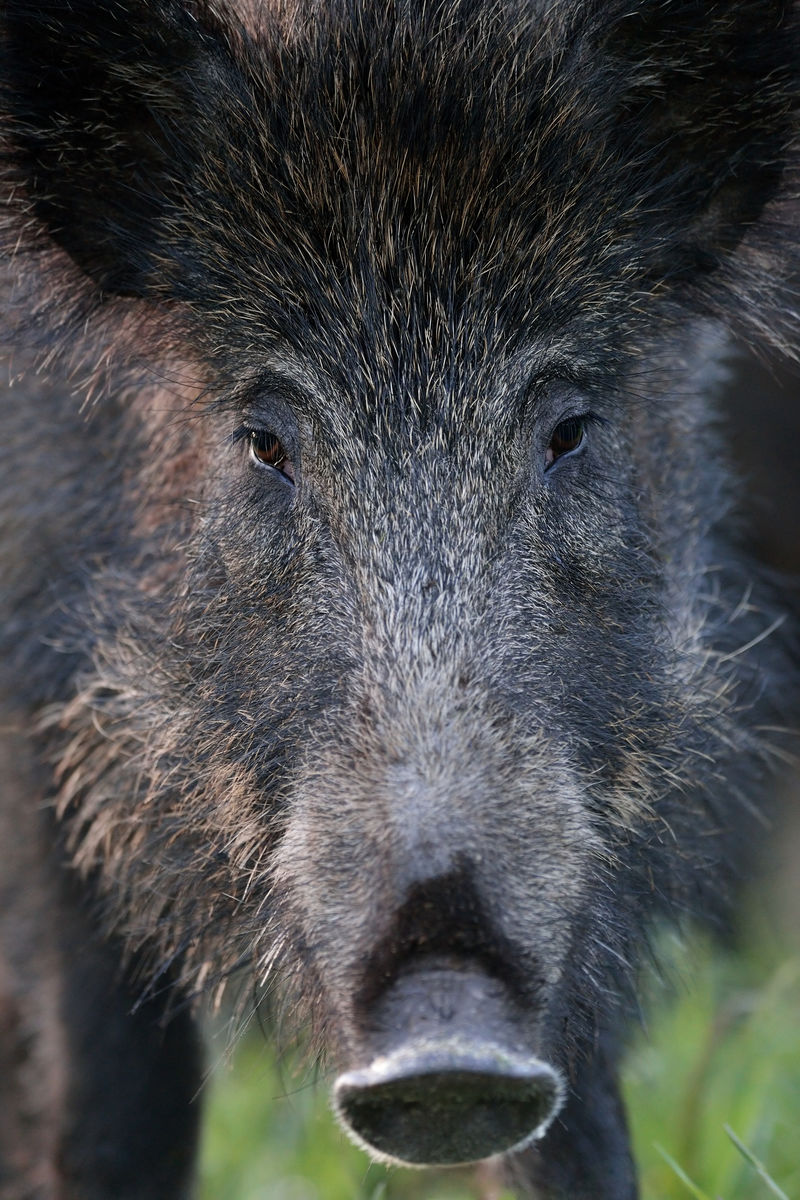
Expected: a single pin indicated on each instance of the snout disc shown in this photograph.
(447, 1104)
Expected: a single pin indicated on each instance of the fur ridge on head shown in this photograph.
(641, 158)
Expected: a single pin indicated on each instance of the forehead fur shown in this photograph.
(479, 175)
(403, 175)
(459, 174)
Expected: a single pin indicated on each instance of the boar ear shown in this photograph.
(110, 107)
(707, 118)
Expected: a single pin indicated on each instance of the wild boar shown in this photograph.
(374, 617)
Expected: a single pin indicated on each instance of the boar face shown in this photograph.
(415, 669)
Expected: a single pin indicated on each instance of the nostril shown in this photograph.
(447, 1101)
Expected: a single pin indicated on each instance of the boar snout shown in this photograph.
(449, 1102)
(449, 1079)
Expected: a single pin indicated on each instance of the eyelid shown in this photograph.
(248, 427)
(269, 410)
(586, 415)
(240, 434)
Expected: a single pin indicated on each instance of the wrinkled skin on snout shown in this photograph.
(380, 640)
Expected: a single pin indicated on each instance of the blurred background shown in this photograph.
(713, 1074)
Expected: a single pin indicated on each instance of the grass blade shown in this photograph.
(679, 1171)
(756, 1164)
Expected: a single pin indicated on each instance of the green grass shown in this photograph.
(723, 1053)
(726, 1055)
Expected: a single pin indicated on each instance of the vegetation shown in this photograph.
(713, 1087)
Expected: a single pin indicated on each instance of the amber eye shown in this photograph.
(566, 437)
(267, 451)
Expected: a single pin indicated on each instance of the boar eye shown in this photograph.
(565, 439)
(267, 451)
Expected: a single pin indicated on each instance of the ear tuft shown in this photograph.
(707, 118)
(107, 104)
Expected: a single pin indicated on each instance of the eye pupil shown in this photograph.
(266, 449)
(566, 436)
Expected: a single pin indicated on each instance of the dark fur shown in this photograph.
(275, 730)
